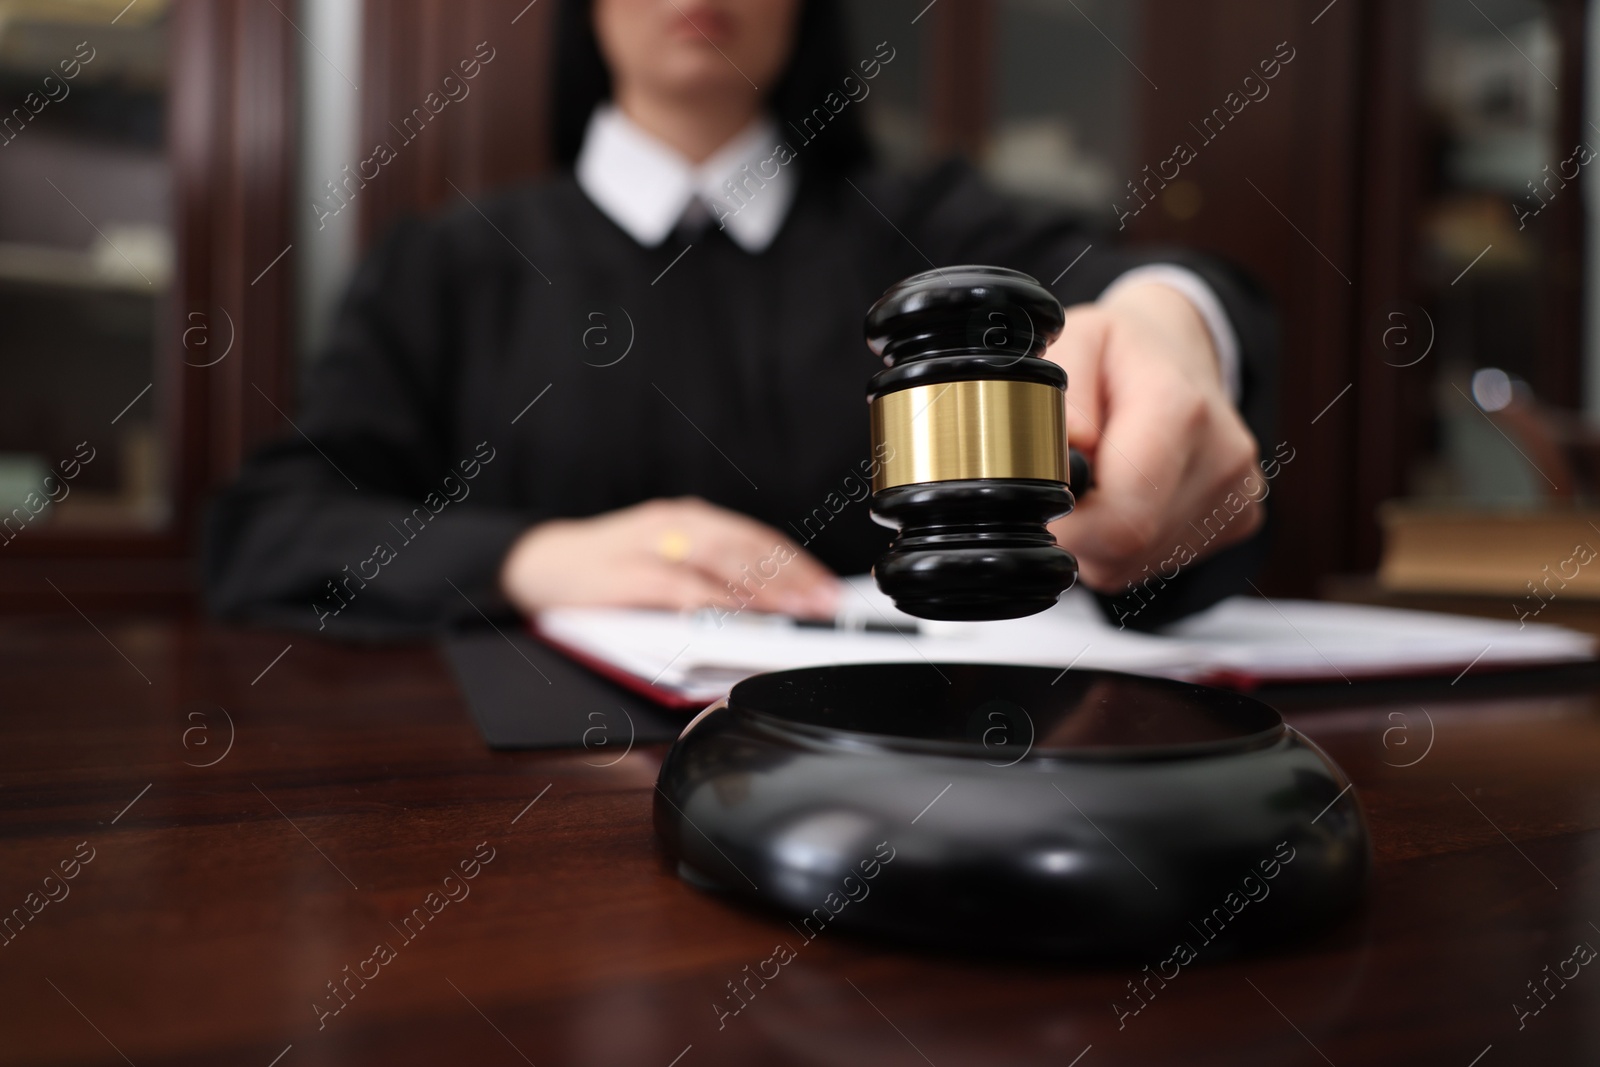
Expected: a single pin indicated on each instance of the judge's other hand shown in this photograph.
(675, 554)
(1172, 458)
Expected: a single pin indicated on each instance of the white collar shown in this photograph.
(644, 186)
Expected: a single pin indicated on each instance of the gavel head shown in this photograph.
(969, 430)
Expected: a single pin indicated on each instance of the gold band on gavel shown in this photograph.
(970, 429)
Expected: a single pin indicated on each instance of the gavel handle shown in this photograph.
(1080, 474)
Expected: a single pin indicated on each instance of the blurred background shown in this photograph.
(1413, 188)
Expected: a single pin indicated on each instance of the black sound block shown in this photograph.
(1013, 809)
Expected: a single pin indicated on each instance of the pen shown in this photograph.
(842, 623)
(858, 625)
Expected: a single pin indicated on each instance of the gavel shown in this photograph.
(969, 423)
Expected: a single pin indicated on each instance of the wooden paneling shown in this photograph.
(1561, 276)
(240, 195)
(1277, 193)
(1391, 406)
(495, 135)
(960, 75)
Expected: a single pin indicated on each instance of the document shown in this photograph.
(692, 659)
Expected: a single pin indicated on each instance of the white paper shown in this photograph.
(1250, 636)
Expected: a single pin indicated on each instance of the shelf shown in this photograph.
(100, 270)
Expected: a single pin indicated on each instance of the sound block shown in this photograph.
(1013, 809)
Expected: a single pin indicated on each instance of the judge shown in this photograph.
(639, 381)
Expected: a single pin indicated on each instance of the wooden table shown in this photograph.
(229, 886)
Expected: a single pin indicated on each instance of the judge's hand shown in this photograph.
(1147, 404)
(674, 554)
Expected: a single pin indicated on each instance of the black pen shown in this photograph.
(842, 624)
(860, 626)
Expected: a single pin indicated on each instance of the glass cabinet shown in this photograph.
(86, 268)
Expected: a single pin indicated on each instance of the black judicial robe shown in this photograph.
(660, 372)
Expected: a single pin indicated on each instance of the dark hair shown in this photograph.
(816, 68)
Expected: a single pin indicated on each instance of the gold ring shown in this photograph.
(673, 546)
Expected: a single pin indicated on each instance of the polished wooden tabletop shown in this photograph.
(207, 834)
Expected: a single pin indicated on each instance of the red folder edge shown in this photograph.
(667, 698)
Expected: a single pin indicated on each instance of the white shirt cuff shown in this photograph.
(1197, 292)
